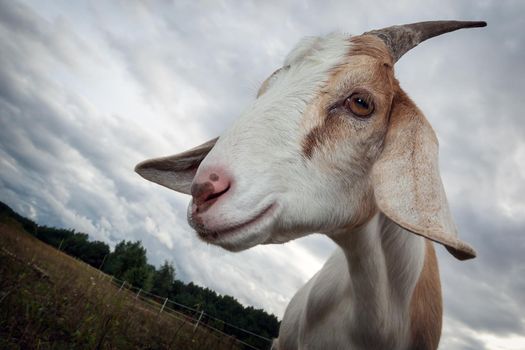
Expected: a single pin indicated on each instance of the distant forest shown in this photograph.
(128, 261)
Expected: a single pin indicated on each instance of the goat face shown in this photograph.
(327, 143)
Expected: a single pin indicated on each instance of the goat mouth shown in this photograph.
(210, 235)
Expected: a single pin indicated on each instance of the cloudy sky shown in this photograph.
(89, 89)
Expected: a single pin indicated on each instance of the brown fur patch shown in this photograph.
(321, 126)
(372, 70)
(319, 135)
(426, 308)
(370, 45)
(310, 142)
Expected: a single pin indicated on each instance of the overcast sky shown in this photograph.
(89, 89)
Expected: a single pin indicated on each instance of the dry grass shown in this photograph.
(49, 300)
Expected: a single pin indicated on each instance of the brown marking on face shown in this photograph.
(426, 308)
(322, 128)
(368, 69)
(214, 177)
(312, 140)
(320, 134)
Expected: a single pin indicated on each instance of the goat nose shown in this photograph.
(207, 191)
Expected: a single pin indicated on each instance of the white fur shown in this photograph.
(360, 299)
(262, 152)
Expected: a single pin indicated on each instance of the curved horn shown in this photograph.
(400, 39)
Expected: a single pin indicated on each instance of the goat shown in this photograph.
(332, 144)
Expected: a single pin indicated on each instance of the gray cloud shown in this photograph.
(88, 91)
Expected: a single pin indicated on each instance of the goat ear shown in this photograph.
(406, 179)
(175, 172)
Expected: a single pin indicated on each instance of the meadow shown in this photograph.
(50, 300)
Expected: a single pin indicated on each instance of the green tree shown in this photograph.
(128, 262)
(78, 245)
(94, 253)
(141, 276)
(53, 236)
(163, 279)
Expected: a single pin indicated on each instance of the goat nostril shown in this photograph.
(207, 187)
(206, 194)
(212, 196)
(200, 191)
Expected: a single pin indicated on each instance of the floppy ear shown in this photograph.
(406, 180)
(175, 172)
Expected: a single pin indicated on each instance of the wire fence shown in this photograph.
(187, 314)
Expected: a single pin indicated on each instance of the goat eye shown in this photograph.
(360, 104)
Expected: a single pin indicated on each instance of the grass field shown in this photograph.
(49, 300)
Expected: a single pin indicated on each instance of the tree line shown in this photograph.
(128, 261)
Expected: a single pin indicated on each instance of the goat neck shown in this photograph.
(385, 265)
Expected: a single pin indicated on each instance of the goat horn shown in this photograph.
(400, 39)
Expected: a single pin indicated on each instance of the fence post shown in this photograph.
(162, 308)
(198, 321)
(122, 286)
(102, 264)
(138, 293)
(60, 245)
